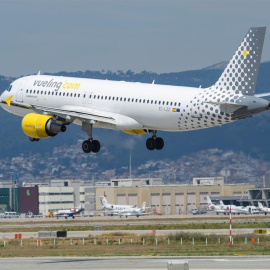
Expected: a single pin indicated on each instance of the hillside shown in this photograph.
(249, 136)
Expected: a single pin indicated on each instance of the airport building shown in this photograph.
(169, 199)
(165, 199)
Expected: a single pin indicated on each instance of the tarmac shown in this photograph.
(134, 263)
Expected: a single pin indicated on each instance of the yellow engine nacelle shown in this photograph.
(41, 126)
(135, 131)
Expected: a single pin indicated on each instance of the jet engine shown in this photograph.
(41, 126)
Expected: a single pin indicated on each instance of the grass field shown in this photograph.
(148, 245)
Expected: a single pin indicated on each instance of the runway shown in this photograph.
(134, 263)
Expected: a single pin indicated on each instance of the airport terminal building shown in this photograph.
(162, 199)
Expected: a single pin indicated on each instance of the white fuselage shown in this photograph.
(133, 105)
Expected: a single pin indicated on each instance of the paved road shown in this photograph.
(26, 235)
(115, 220)
(134, 263)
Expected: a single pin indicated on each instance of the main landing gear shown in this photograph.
(89, 145)
(154, 142)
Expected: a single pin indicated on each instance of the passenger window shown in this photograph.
(74, 95)
(105, 97)
(56, 93)
(27, 91)
(79, 95)
(67, 94)
(94, 96)
(49, 93)
(60, 94)
(163, 103)
(71, 94)
(128, 99)
(171, 103)
(64, 94)
(124, 99)
(41, 92)
(34, 91)
(52, 93)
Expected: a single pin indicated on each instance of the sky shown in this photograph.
(152, 35)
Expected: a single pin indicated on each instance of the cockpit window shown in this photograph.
(9, 88)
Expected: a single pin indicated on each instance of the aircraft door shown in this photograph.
(19, 94)
(89, 98)
(84, 97)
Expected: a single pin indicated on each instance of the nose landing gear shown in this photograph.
(154, 142)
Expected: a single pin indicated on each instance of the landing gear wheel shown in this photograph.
(151, 144)
(33, 139)
(87, 146)
(159, 143)
(96, 146)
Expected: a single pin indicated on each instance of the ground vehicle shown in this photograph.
(10, 215)
(51, 214)
(196, 211)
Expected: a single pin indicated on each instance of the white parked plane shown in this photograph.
(264, 209)
(137, 211)
(48, 104)
(234, 209)
(69, 213)
(115, 208)
(215, 207)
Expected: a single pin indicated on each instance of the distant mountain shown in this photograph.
(220, 65)
(250, 136)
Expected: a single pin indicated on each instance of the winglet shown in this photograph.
(8, 100)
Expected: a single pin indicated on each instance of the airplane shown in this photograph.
(115, 208)
(234, 209)
(48, 104)
(69, 213)
(133, 211)
(264, 209)
(215, 207)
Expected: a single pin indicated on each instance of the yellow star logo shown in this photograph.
(245, 52)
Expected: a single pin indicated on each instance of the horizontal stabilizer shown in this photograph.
(226, 104)
(262, 95)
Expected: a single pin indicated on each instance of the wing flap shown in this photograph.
(74, 112)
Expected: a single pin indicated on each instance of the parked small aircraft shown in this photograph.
(263, 208)
(69, 213)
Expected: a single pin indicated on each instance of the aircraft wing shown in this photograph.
(71, 113)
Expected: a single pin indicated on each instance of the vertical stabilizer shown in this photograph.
(240, 75)
(103, 201)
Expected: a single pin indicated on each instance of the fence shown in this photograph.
(143, 241)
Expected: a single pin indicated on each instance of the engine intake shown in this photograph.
(41, 126)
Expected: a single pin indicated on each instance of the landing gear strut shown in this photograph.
(89, 145)
(154, 142)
